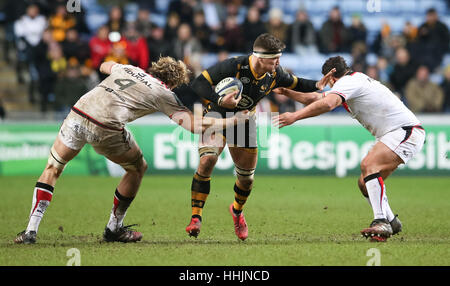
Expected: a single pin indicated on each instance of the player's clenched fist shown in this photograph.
(229, 101)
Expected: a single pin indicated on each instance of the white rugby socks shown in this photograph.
(42, 197)
(376, 190)
(119, 211)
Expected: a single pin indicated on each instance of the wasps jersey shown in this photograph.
(254, 87)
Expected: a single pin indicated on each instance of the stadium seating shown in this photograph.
(394, 12)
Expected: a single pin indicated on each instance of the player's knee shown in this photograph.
(143, 167)
(207, 164)
(245, 177)
(55, 164)
(246, 182)
(208, 155)
(366, 167)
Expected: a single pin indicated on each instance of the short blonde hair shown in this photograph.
(170, 71)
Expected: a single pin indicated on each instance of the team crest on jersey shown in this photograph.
(245, 79)
(245, 102)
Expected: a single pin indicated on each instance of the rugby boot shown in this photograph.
(122, 234)
(240, 226)
(396, 225)
(193, 229)
(378, 231)
(25, 237)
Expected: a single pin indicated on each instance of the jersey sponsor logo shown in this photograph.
(140, 76)
(245, 102)
(110, 90)
(245, 80)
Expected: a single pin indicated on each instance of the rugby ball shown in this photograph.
(229, 85)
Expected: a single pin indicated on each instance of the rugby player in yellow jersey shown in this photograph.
(259, 72)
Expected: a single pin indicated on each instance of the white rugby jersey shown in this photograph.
(373, 104)
(125, 95)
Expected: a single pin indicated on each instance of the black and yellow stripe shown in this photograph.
(205, 73)
(199, 193)
(240, 198)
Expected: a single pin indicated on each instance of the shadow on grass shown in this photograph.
(96, 240)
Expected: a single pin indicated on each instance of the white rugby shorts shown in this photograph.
(406, 142)
(77, 130)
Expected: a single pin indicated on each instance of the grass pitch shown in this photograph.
(292, 221)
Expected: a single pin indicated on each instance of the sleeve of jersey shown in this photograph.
(290, 81)
(203, 84)
(169, 104)
(345, 88)
(116, 67)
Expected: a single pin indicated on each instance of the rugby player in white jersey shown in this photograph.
(99, 118)
(398, 134)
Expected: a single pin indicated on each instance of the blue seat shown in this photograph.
(320, 6)
(130, 12)
(436, 78)
(397, 23)
(95, 20)
(317, 21)
(277, 4)
(352, 6)
(158, 19)
(371, 59)
(401, 6)
(91, 6)
(162, 6)
(303, 63)
(208, 60)
(439, 5)
(387, 6)
(446, 60)
(292, 6)
(373, 21)
(445, 20)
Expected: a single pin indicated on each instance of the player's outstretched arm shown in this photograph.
(305, 98)
(326, 104)
(106, 67)
(198, 124)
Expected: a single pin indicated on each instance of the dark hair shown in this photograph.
(431, 11)
(268, 43)
(338, 63)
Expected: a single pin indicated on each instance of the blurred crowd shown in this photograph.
(60, 56)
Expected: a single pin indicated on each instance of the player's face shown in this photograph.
(269, 65)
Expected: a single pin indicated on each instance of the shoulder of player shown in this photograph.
(282, 71)
(225, 68)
